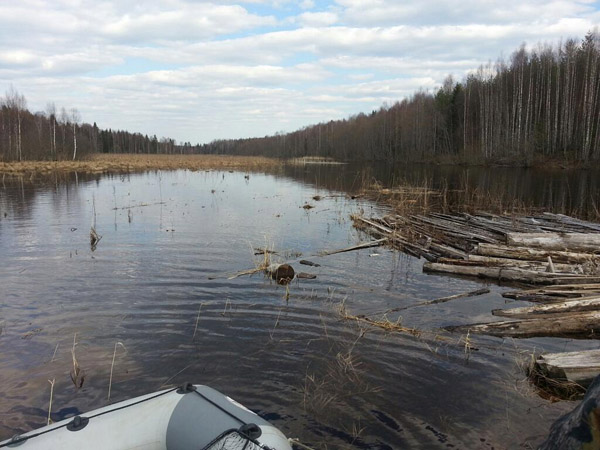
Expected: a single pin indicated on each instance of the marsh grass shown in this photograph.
(197, 320)
(552, 388)
(77, 374)
(112, 366)
(100, 163)
(50, 402)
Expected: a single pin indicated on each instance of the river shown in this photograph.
(157, 295)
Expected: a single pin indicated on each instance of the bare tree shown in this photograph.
(51, 114)
(17, 103)
(75, 119)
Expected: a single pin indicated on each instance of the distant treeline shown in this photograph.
(59, 135)
(542, 104)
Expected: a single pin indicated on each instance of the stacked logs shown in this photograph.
(556, 256)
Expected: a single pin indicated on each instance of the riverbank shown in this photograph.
(101, 163)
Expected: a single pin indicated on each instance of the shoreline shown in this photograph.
(123, 162)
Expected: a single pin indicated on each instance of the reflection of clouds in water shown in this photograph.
(144, 286)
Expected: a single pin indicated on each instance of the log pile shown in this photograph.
(556, 256)
(548, 249)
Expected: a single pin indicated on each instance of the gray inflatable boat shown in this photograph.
(189, 417)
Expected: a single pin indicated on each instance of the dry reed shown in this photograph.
(51, 397)
(112, 365)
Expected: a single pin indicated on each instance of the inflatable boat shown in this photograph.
(189, 417)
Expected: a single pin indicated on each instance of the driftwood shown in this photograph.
(440, 300)
(534, 265)
(587, 242)
(531, 254)
(577, 367)
(508, 274)
(362, 245)
(571, 306)
(581, 325)
(309, 263)
(556, 293)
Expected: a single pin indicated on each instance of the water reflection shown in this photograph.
(159, 283)
(573, 192)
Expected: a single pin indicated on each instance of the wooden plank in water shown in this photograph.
(586, 242)
(531, 254)
(571, 306)
(578, 367)
(582, 326)
(508, 274)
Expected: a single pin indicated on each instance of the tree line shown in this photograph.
(60, 135)
(541, 104)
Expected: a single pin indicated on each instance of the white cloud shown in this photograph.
(317, 19)
(198, 70)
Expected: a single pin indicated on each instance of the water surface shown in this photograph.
(158, 283)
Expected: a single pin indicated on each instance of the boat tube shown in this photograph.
(189, 417)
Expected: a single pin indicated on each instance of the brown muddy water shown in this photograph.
(158, 284)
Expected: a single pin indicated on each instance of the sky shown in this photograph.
(198, 71)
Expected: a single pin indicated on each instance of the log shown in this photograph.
(558, 292)
(385, 230)
(578, 367)
(362, 245)
(448, 251)
(573, 221)
(440, 300)
(507, 274)
(539, 265)
(582, 325)
(571, 306)
(586, 242)
(530, 254)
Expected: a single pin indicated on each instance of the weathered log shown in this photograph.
(440, 300)
(577, 367)
(535, 265)
(507, 274)
(531, 254)
(376, 225)
(586, 242)
(573, 221)
(571, 306)
(558, 292)
(362, 245)
(309, 263)
(447, 250)
(581, 325)
(579, 429)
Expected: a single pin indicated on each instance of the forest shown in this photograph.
(542, 104)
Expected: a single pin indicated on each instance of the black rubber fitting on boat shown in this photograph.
(17, 440)
(250, 430)
(186, 388)
(78, 423)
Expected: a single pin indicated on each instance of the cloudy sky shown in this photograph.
(197, 71)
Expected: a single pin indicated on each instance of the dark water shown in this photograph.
(317, 377)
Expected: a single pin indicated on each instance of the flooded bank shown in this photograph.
(159, 283)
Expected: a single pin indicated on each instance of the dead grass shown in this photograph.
(101, 163)
(553, 389)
